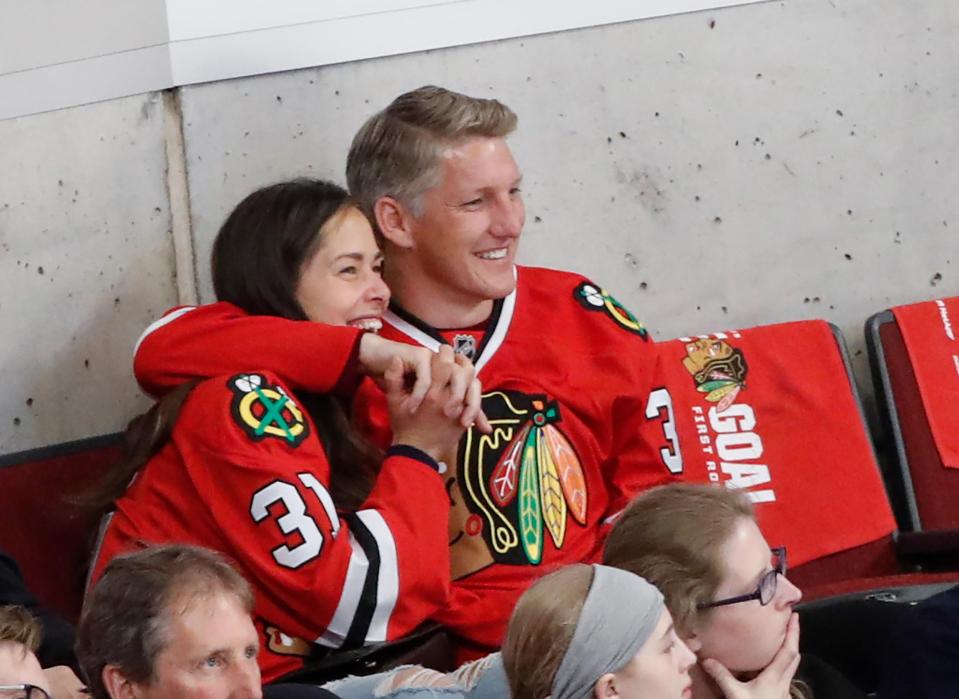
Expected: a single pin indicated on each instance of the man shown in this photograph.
(173, 621)
(566, 370)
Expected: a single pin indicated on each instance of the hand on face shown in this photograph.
(450, 404)
(773, 682)
(64, 684)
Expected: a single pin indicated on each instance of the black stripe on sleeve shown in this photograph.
(363, 617)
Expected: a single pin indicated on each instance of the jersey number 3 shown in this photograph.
(661, 402)
(296, 520)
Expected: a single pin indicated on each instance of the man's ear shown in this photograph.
(394, 221)
(605, 687)
(116, 684)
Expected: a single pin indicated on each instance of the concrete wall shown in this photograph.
(85, 262)
(714, 170)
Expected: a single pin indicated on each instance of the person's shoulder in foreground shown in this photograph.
(922, 657)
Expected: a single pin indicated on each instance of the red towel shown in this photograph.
(930, 331)
(770, 410)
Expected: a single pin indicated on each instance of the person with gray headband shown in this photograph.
(578, 633)
(594, 631)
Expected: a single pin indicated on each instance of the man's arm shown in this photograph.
(645, 449)
(197, 342)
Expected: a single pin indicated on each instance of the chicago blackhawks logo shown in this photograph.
(264, 410)
(524, 481)
(593, 298)
(718, 369)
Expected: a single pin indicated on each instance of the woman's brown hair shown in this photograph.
(541, 629)
(257, 260)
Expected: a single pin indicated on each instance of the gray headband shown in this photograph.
(619, 615)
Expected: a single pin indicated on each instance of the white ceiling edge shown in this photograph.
(399, 26)
(85, 81)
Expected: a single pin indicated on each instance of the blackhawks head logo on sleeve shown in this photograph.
(522, 483)
(264, 410)
(594, 298)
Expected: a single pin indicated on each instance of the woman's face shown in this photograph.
(341, 283)
(660, 670)
(745, 636)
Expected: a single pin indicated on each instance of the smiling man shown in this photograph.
(568, 373)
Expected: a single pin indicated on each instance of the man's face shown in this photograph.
(465, 241)
(19, 666)
(210, 653)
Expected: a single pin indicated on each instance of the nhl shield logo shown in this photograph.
(465, 345)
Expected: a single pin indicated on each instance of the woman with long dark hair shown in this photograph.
(340, 542)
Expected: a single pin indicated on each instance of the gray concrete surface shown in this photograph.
(86, 261)
(714, 170)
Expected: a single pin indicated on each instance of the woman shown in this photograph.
(580, 632)
(727, 591)
(241, 465)
(594, 631)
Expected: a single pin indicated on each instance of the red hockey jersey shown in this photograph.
(566, 374)
(245, 474)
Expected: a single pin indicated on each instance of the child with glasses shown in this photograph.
(727, 590)
(20, 674)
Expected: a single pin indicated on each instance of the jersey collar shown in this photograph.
(427, 336)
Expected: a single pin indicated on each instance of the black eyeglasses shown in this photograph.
(22, 691)
(766, 589)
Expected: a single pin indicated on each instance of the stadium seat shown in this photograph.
(915, 360)
(774, 410)
(50, 537)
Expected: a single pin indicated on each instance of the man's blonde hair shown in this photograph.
(397, 151)
(18, 625)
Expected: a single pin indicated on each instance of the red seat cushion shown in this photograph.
(49, 537)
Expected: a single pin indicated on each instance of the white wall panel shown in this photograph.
(46, 32)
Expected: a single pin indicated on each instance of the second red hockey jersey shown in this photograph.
(245, 474)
